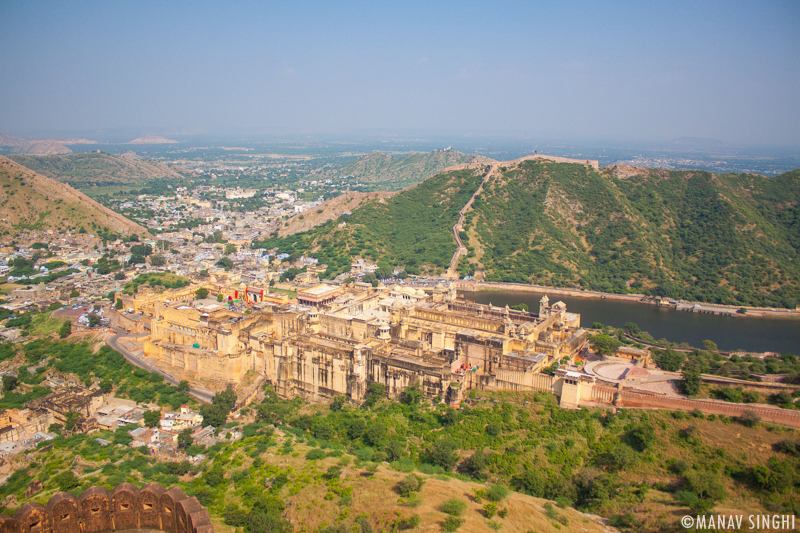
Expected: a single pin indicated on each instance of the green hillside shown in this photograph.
(388, 173)
(724, 238)
(96, 169)
(413, 228)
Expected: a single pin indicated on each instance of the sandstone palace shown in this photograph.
(333, 340)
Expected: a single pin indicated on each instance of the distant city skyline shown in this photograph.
(648, 72)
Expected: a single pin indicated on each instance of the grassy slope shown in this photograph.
(96, 169)
(33, 201)
(549, 441)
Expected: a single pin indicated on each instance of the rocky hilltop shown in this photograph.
(32, 201)
(19, 145)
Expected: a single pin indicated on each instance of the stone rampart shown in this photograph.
(125, 508)
(775, 415)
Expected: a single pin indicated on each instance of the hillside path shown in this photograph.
(462, 249)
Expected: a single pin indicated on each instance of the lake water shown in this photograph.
(730, 333)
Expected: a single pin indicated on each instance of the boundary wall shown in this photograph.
(125, 508)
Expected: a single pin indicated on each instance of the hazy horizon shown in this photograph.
(614, 72)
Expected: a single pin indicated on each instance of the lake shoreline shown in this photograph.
(752, 312)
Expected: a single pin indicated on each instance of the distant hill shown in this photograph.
(723, 238)
(152, 139)
(388, 173)
(329, 210)
(31, 201)
(18, 145)
(96, 169)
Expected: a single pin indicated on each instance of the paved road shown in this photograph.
(113, 341)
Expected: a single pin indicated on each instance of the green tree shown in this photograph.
(691, 378)
(411, 395)
(230, 249)
(67, 481)
(375, 392)
(201, 293)
(106, 386)
(70, 420)
(118, 304)
(94, 320)
(225, 263)
(222, 403)
(65, 329)
(669, 360)
(605, 345)
(152, 418)
(158, 260)
(338, 403)
(710, 345)
(119, 276)
(73, 294)
(641, 436)
(185, 438)
(9, 383)
(442, 453)
(183, 385)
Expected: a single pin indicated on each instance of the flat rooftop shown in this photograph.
(319, 290)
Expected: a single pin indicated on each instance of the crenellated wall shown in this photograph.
(125, 508)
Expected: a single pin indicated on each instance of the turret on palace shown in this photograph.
(334, 340)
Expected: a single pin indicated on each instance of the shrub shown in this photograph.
(409, 484)
(678, 466)
(624, 521)
(621, 456)
(641, 436)
(315, 454)
(490, 509)
(496, 493)
(494, 429)
(562, 501)
(451, 524)
(413, 501)
(333, 472)
(750, 419)
(453, 507)
(411, 522)
(67, 481)
(788, 446)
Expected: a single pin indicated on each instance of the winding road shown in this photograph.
(462, 249)
(113, 341)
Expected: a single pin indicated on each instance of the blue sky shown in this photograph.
(646, 71)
